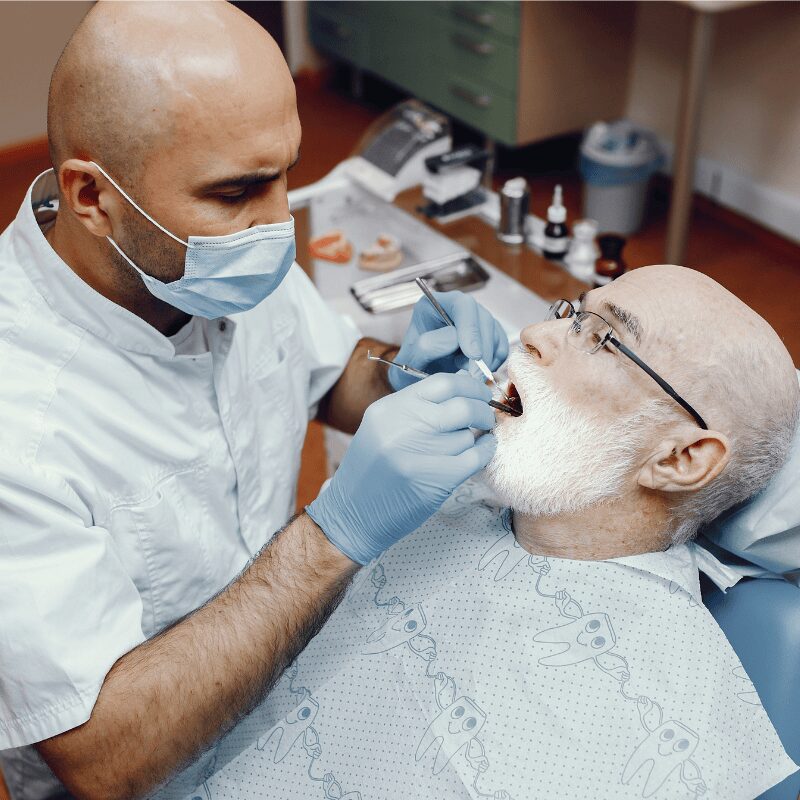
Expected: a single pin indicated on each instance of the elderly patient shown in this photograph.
(543, 635)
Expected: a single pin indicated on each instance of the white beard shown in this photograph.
(556, 460)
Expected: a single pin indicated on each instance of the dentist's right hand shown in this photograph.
(413, 448)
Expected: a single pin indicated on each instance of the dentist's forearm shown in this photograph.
(169, 699)
(361, 384)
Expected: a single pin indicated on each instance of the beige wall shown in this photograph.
(32, 35)
(300, 53)
(751, 119)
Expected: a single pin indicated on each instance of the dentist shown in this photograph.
(160, 356)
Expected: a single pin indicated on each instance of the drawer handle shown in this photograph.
(479, 48)
(484, 18)
(478, 100)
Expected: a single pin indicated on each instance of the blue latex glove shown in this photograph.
(433, 346)
(412, 450)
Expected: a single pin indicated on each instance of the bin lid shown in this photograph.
(620, 144)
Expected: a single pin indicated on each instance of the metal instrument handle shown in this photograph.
(479, 48)
(415, 373)
(484, 18)
(418, 373)
(477, 100)
(426, 290)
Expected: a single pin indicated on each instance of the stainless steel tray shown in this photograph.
(396, 290)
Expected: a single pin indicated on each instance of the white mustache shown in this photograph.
(557, 459)
(530, 379)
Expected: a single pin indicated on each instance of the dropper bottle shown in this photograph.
(555, 232)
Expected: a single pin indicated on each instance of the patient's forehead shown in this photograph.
(675, 307)
(664, 288)
(696, 333)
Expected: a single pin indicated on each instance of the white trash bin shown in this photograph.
(616, 162)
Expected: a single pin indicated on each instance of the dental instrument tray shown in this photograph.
(398, 289)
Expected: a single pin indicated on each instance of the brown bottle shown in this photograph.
(611, 264)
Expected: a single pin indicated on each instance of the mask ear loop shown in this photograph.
(136, 206)
(122, 253)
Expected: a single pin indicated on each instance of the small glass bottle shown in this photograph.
(611, 264)
(555, 232)
(583, 251)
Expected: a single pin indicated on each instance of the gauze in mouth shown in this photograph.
(556, 459)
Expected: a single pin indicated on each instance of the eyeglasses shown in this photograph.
(589, 333)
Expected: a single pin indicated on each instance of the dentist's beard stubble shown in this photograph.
(555, 459)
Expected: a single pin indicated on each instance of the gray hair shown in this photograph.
(760, 420)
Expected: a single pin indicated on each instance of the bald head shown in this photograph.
(727, 358)
(675, 474)
(729, 363)
(136, 76)
(190, 109)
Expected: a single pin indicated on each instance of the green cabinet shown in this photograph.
(459, 56)
(392, 26)
(517, 71)
(489, 17)
(341, 30)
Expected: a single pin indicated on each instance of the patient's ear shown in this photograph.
(686, 462)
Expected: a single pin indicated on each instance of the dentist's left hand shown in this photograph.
(432, 346)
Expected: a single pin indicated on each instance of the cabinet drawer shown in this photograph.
(482, 56)
(502, 18)
(338, 32)
(478, 104)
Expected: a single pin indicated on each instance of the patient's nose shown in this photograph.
(541, 341)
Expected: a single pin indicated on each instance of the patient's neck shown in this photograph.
(624, 527)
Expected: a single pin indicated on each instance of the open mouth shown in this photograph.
(514, 400)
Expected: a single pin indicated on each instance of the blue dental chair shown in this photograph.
(761, 616)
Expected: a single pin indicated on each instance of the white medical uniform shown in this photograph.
(138, 473)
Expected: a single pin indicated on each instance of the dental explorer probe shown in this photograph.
(418, 373)
(479, 362)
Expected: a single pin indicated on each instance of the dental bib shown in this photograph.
(461, 666)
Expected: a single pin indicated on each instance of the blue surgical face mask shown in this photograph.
(223, 274)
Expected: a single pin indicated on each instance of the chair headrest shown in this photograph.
(766, 529)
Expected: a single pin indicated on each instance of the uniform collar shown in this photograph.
(66, 293)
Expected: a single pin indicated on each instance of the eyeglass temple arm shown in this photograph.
(660, 381)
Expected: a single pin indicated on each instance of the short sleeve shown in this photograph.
(329, 338)
(68, 609)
